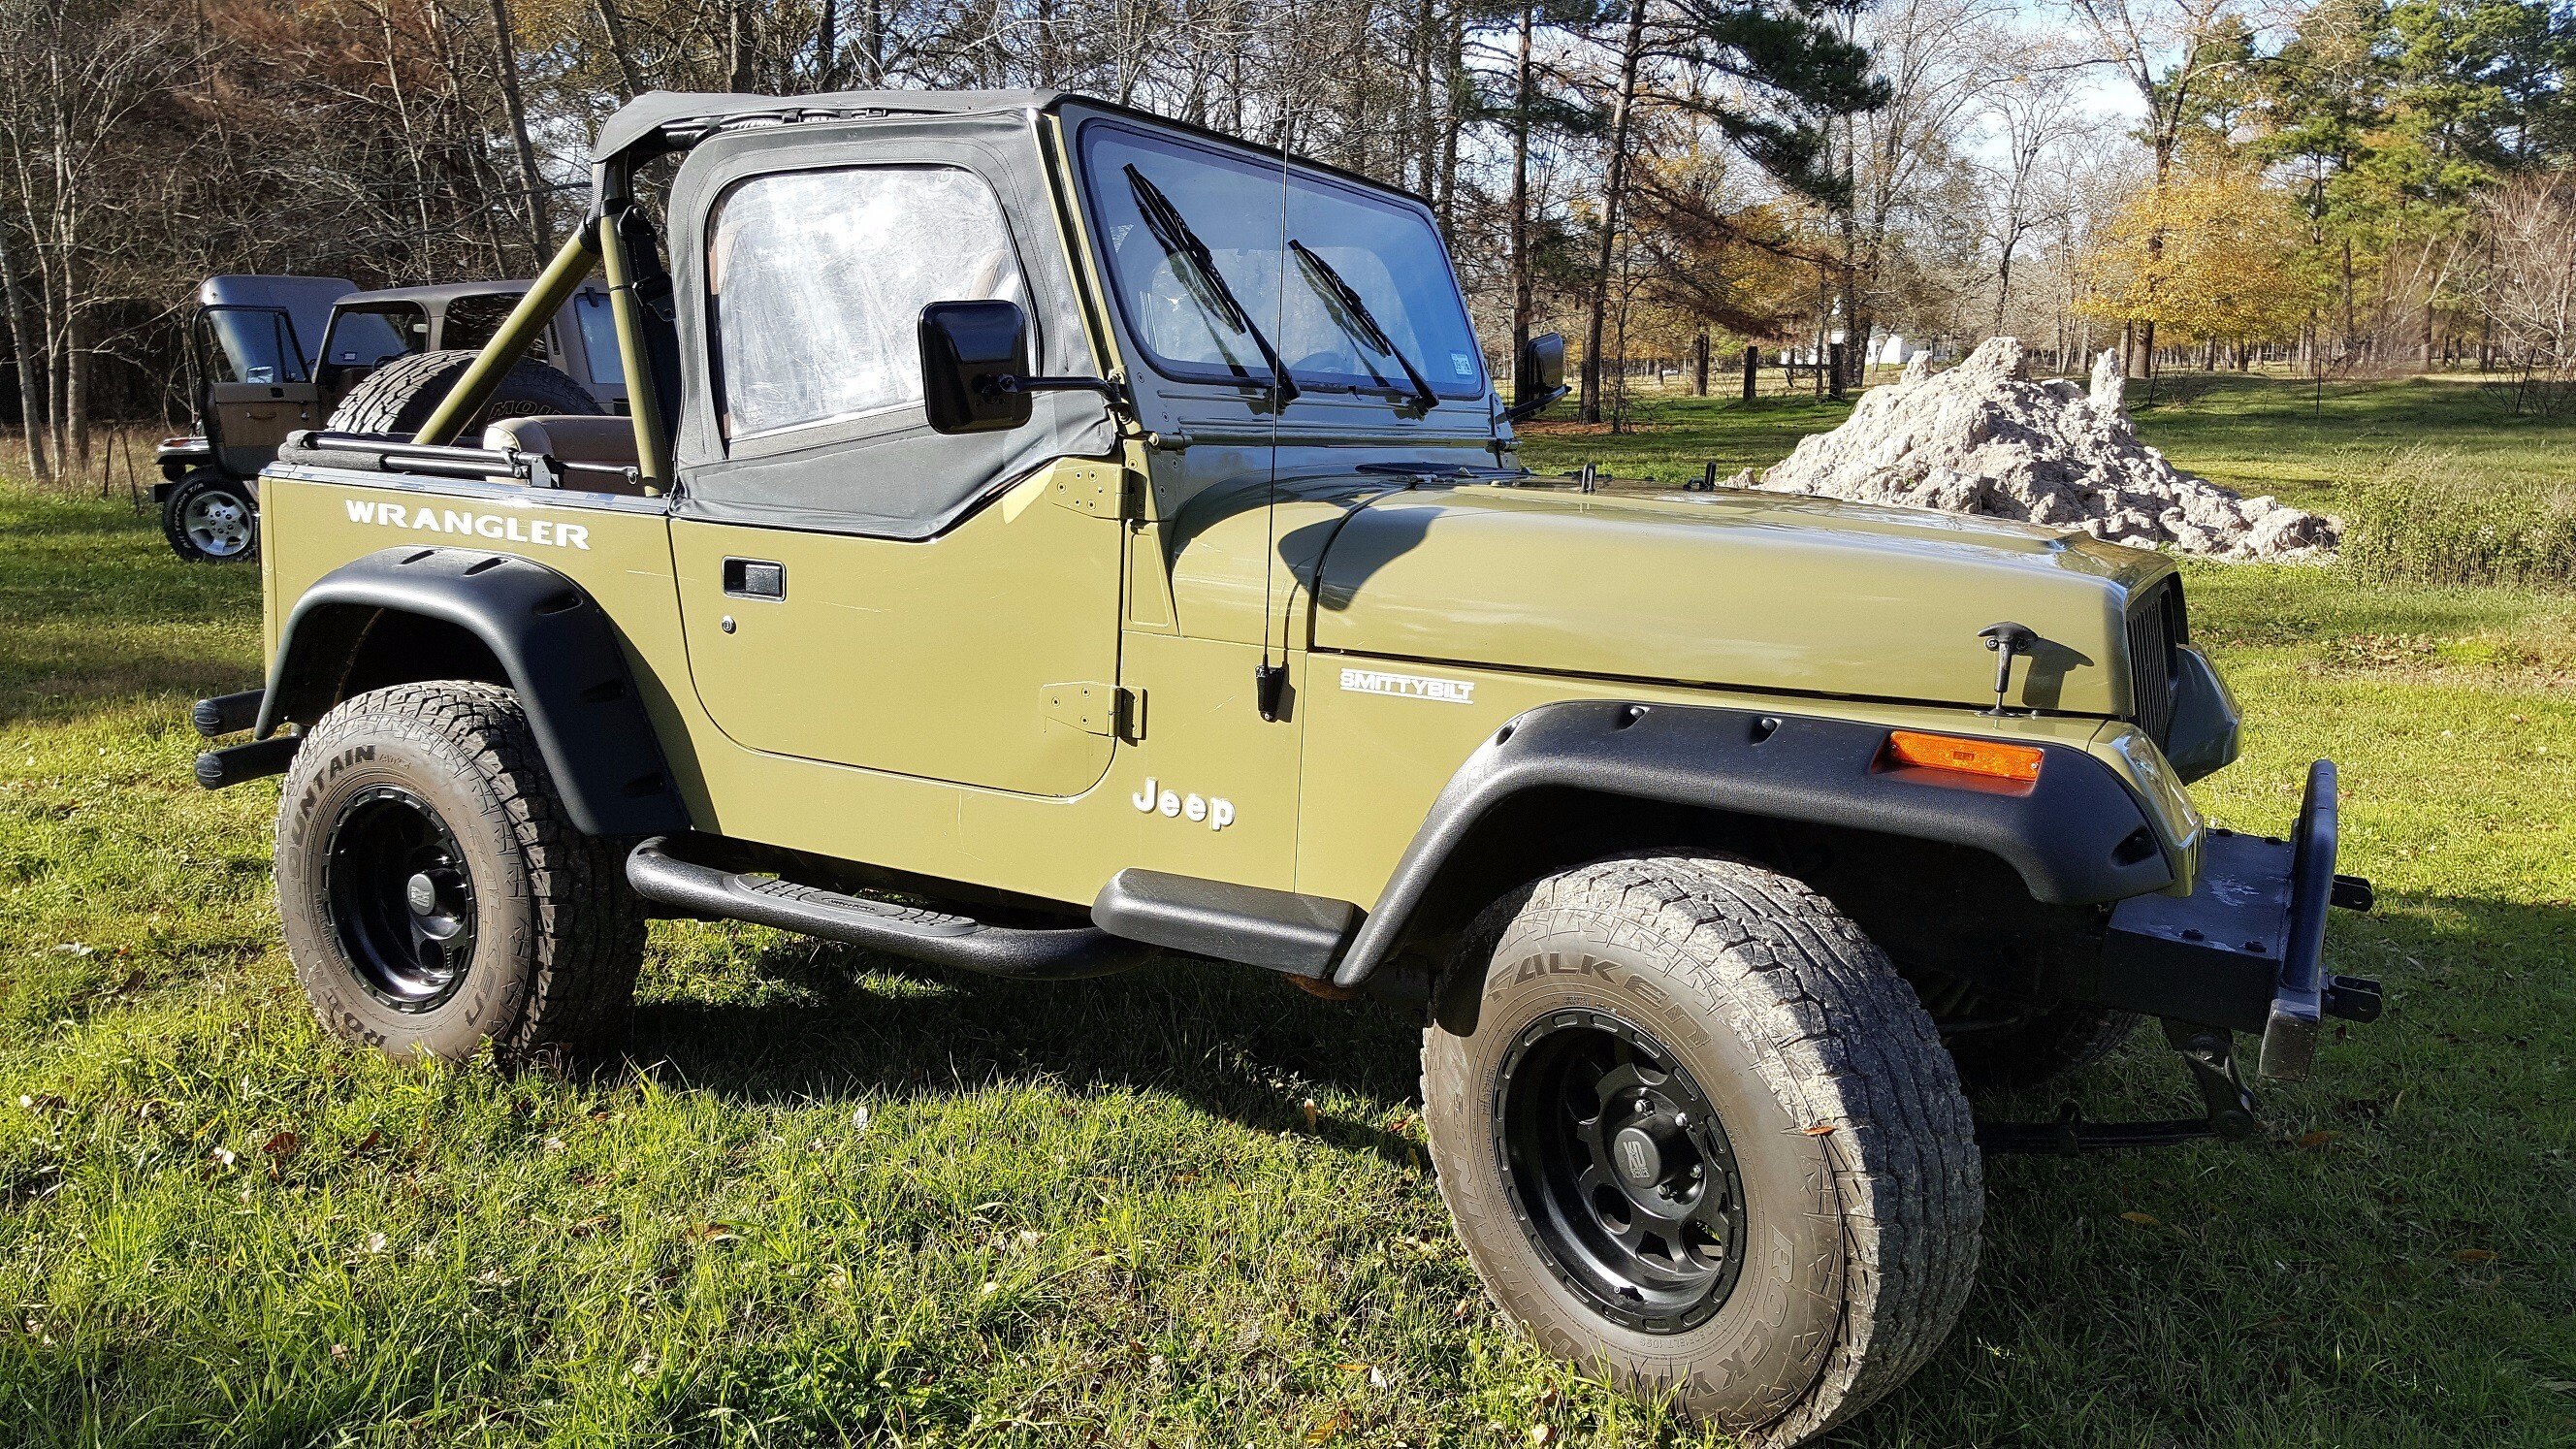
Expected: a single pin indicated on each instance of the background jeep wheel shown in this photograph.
(2042, 1047)
(210, 518)
(1705, 1140)
(434, 892)
(397, 398)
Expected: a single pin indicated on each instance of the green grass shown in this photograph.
(830, 1199)
(2254, 434)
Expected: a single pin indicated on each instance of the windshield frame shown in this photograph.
(1096, 224)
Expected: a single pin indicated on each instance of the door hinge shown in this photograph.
(1097, 709)
(1097, 489)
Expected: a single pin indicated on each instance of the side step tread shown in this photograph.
(914, 918)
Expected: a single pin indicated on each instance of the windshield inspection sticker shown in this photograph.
(1409, 686)
(499, 527)
(1462, 364)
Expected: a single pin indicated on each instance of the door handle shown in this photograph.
(752, 578)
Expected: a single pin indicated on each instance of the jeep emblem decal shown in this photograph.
(1215, 811)
(1409, 686)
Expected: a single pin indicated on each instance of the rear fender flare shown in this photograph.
(558, 648)
(2074, 835)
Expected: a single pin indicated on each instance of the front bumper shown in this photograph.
(2245, 950)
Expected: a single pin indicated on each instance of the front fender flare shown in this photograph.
(2076, 835)
(558, 647)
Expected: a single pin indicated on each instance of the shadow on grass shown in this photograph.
(1230, 1040)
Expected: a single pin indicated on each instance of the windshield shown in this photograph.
(253, 344)
(1409, 320)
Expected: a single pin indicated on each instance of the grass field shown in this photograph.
(831, 1199)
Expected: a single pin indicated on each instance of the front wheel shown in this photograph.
(1704, 1140)
(435, 893)
(210, 518)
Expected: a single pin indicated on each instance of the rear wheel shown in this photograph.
(435, 894)
(396, 400)
(1704, 1141)
(210, 518)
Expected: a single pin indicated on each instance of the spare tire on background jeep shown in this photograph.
(396, 400)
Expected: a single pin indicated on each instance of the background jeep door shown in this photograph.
(257, 388)
(855, 588)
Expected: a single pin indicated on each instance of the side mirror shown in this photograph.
(1539, 379)
(967, 348)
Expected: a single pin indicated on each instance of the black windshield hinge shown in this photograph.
(1269, 689)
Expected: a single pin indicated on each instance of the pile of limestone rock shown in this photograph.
(1984, 438)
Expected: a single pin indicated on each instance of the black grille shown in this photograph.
(2155, 630)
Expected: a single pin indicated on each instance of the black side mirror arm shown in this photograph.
(1108, 387)
(1530, 407)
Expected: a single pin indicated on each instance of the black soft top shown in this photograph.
(641, 121)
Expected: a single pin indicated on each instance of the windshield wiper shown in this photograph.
(1179, 242)
(1353, 315)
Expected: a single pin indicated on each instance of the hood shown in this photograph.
(1739, 589)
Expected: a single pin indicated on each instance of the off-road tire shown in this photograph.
(1860, 1177)
(557, 934)
(2041, 1048)
(396, 399)
(199, 488)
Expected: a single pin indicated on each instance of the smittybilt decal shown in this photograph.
(1216, 811)
(1410, 686)
(499, 527)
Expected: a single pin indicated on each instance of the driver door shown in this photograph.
(257, 388)
(854, 588)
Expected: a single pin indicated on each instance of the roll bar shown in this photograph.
(597, 240)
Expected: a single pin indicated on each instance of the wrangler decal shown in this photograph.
(498, 527)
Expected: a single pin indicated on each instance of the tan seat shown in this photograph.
(592, 452)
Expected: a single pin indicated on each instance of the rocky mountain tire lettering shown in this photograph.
(1409, 686)
(496, 527)
(1214, 811)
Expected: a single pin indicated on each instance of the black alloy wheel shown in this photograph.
(1620, 1171)
(401, 898)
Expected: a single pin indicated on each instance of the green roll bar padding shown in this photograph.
(554, 287)
(652, 453)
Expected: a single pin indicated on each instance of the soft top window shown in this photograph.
(599, 337)
(817, 279)
(365, 338)
(1384, 250)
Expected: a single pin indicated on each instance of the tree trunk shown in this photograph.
(827, 46)
(1855, 329)
(1699, 364)
(1523, 286)
(31, 389)
(77, 367)
(737, 46)
(1426, 118)
(505, 40)
(630, 80)
(1613, 183)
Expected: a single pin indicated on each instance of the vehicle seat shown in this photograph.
(592, 452)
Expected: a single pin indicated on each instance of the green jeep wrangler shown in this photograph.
(1046, 536)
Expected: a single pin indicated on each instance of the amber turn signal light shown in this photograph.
(1965, 756)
